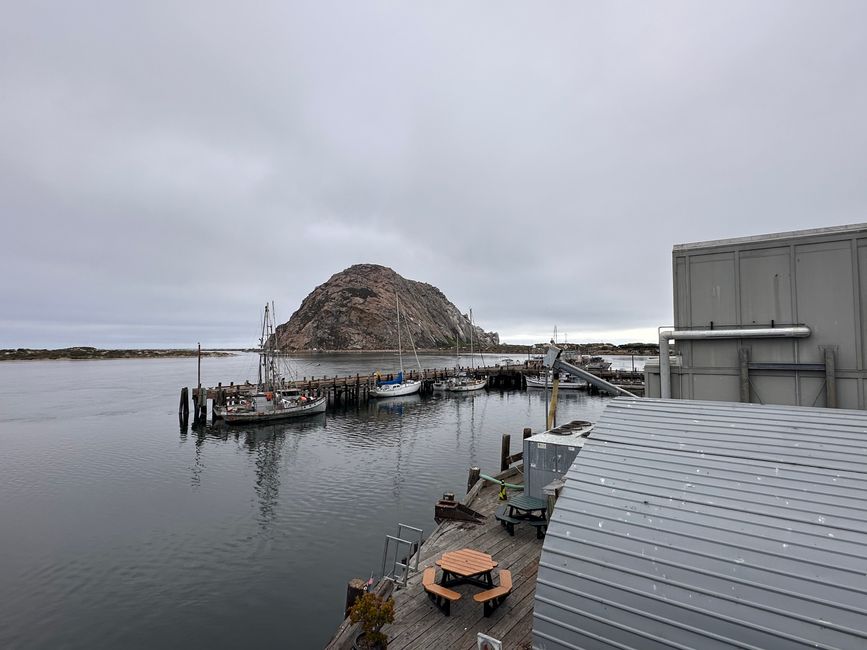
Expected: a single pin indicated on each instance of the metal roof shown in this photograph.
(777, 237)
(687, 524)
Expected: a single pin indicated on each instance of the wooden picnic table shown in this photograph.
(467, 565)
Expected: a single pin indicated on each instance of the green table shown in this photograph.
(523, 506)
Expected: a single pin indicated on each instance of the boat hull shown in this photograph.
(313, 407)
(394, 390)
(533, 382)
(466, 386)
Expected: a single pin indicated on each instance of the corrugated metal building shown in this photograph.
(710, 525)
(817, 278)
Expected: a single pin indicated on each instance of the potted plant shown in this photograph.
(372, 611)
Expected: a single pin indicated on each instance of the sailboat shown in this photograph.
(443, 384)
(465, 383)
(398, 385)
(273, 398)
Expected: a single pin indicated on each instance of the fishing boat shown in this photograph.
(399, 385)
(273, 398)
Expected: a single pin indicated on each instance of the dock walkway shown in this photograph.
(419, 625)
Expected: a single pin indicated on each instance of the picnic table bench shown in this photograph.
(441, 596)
(505, 520)
(523, 508)
(493, 597)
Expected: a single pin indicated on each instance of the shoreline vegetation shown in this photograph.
(90, 353)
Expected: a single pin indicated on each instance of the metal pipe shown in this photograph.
(664, 365)
(794, 331)
(589, 377)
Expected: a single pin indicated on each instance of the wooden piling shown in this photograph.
(504, 452)
(354, 590)
(203, 405)
(473, 477)
(527, 432)
(184, 405)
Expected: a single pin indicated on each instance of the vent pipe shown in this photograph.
(666, 334)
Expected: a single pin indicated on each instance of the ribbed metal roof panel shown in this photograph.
(690, 524)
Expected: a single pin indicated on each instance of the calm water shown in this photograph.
(119, 530)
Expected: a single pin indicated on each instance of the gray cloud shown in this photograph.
(166, 169)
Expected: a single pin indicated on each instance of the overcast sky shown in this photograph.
(168, 167)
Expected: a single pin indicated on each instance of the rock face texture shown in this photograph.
(355, 310)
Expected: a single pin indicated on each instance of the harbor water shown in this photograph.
(121, 530)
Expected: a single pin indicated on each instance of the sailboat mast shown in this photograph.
(399, 350)
(263, 353)
(472, 358)
(272, 349)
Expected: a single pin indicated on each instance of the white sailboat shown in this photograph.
(466, 382)
(398, 385)
(273, 399)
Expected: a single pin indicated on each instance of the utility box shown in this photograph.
(549, 455)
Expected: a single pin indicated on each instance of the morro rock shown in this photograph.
(356, 310)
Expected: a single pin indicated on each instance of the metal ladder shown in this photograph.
(400, 570)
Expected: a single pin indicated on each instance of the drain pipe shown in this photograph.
(665, 334)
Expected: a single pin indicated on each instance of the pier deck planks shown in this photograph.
(420, 625)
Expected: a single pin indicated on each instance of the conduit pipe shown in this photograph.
(666, 334)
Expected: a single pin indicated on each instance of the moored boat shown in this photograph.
(464, 382)
(273, 399)
(398, 385)
(267, 406)
(395, 387)
(567, 382)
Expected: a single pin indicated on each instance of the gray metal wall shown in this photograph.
(817, 278)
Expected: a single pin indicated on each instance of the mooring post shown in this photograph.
(203, 405)
(196, 407)
(473, 477)
(504, 452)
(527, 432)
(182, 405)
(219, 400)
(354, 591)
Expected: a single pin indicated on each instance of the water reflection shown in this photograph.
(267, 444)
(396, 405)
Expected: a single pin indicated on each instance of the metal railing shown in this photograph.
(400, 567)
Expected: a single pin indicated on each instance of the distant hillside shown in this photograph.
(355, 310)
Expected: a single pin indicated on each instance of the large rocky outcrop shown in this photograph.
(355, 310)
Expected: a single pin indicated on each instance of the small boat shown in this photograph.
(465, 383)
(567, 382)
(395, 387)
(273, 399)
(595, 363)
(398, 385)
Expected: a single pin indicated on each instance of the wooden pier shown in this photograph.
(356, 388)
(420, 625)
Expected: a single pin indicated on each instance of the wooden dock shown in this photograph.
(420, 625)
(355, 388)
